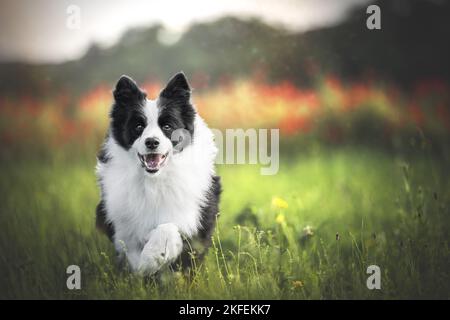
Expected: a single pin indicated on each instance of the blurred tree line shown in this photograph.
(413, 44)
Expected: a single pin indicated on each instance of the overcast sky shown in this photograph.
(36, 31)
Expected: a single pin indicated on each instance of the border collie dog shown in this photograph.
(159, 190)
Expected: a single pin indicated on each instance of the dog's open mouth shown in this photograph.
(152, 162)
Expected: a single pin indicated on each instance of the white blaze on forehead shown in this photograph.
(151, 112)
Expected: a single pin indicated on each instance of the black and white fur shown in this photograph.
(159, 194)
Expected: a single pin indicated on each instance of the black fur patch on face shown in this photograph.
(127, 116)
(176, 110)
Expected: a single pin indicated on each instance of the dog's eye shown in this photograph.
(166, 127)
(139, 128)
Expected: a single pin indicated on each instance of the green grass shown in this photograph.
(387, 211)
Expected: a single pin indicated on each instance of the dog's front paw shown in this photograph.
(164, 245)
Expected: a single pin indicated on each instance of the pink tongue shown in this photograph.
(153, 160)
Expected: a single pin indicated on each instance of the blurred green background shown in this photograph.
(364, 119)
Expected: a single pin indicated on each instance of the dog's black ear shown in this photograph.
(177, 87)
(127, 92)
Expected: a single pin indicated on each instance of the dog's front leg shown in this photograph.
(128, 254)
(164, 245)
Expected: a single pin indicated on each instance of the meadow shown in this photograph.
(363, 181)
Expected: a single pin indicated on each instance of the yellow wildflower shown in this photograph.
(280, 219)
(279, 203)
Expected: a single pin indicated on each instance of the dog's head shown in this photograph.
(153, 130)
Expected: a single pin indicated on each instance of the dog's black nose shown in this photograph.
(152, 143)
